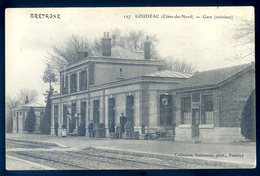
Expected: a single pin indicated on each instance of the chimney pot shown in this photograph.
(147, 49)
(26, 100)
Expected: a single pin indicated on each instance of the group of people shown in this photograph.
(63, 129)
(124, 127)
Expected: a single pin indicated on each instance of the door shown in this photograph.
(83, 108)
(195, 123)
(82, 122)
(130, 108)
(65, 111)
(111, 114)
(96, 111)
(56, 114)
(72, 122)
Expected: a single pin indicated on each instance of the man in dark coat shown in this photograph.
(123, 120)
(111, 127)
(91, 129)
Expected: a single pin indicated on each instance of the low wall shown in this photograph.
(210, 134)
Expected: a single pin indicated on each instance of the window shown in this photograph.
(186, 110)
(195, 97)
(14, 114)
(64, 84)
(73, 83)
(91, 70)
(20, 113)
(207, 109)
(83, 80)
(166, 110)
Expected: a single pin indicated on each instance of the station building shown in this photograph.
(20, 115)
(210, 104)
(206, 106)
(100, 88)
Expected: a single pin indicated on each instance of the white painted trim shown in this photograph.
(184, 126)
(206, 126)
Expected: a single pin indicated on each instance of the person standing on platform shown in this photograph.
(91, 129)
(63, 131)
(118, 131)
(56, 127)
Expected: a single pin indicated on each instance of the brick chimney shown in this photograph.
(106, 45)
(26, 100)
(147, 49)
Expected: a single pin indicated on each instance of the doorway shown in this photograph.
(96, 111)
(64, 120)
(111, 114)
(195, 123)
(130, 108)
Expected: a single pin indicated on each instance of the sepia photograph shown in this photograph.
(128, 88)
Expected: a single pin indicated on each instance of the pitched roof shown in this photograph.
(29, 105)
(122, 53)
(212, 77)
(35, 105)
(170, 74)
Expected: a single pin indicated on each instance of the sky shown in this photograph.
(205, 42)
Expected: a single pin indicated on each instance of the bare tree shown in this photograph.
(31, 94)
(67, 54)
(134, 41)
(243, 34)
(244, 31)
(10, 103)
(179, 65)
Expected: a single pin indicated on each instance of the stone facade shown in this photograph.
(120, 76)
(145, 91)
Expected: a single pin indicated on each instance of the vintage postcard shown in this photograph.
(130, 88)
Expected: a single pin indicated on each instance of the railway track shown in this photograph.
(95, 158)
(82, 160)
(45, 160)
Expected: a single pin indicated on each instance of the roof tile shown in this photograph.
(211, 77)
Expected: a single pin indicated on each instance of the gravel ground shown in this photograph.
(103, 159)
(110, 154)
